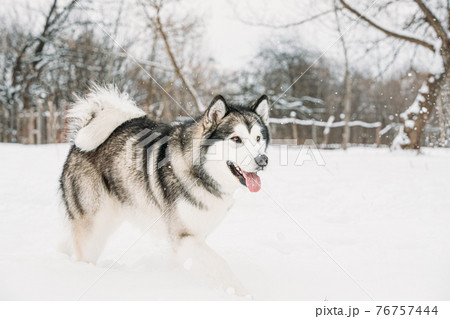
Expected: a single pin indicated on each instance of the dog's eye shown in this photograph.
(237, 139)
(258, 138)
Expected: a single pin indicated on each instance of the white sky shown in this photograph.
(232, 43)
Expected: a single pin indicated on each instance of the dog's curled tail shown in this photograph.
(92, 119)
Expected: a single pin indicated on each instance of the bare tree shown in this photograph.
(415, 117)
(347, 82)
(155, 22)
(27, 60)
(42, 65)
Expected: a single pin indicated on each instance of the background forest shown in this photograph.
(382, 74)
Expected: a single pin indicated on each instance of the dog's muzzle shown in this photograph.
(262, 160)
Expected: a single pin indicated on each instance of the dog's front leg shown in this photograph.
(196, 256)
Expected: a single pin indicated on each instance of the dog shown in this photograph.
(182, 176)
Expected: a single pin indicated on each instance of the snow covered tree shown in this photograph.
(27, 56)
(424, 25)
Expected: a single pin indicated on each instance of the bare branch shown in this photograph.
(433, 20)
(390, 33)
(53, 24)
(47, 25)
(160, 28)
(283, 26)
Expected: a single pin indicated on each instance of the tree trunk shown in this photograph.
(441, 118)
(347, 84)
(416, 116)
(39, 123)
(31, 127)
(191, 91)
(151, 96)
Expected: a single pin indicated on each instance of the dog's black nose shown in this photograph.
(262, 160)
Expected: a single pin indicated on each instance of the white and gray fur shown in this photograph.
(122, 165)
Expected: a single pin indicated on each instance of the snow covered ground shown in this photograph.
(383, 217)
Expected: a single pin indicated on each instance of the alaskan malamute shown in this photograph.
(180, 176)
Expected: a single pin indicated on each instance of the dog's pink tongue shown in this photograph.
(253, 181)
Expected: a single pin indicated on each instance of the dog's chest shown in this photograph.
(203, 221)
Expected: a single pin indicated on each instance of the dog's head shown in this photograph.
(237, 139)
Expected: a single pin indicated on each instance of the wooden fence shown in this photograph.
(40, 126)
(330, 132)
(48, 126)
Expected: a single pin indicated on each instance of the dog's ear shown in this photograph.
(216, 110)
(261, 107)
